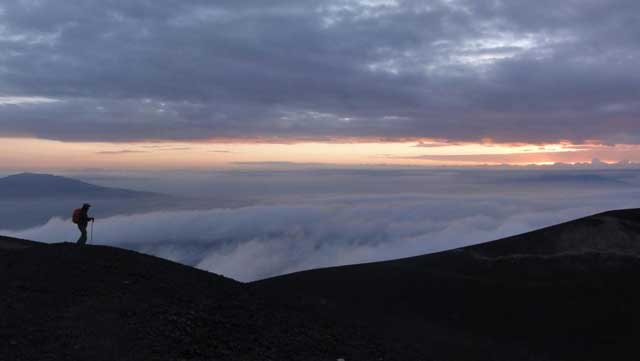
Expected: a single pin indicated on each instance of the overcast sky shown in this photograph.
(455, 71)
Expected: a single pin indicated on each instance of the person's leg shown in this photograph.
(83, 235)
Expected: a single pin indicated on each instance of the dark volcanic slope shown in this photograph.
(568, 292)
(64, 302)
(11, 244)
(565, 292)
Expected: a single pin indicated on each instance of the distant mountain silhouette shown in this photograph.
(568, 178)
(567, 292)
(33, 185)
(30, 199)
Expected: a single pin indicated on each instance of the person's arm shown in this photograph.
(86, 217)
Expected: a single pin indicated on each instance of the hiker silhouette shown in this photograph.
(82, 219)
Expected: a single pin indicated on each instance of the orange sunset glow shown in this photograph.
(30, 153)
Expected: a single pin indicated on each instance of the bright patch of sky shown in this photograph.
(18, 100)
(27, 38)
(355, 10)
(36, 154)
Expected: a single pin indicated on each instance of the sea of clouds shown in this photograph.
(298, 233)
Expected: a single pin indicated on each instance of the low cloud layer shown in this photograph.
(260, 241)
(459, 70)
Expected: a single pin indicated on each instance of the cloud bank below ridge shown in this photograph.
(255, 242)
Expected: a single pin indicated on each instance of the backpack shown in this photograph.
(77, 214)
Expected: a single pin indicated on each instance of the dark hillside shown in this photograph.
(9, 244)
(567, 292)
(564, 292)
(64, 302)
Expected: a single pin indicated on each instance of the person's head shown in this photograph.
(86, 206)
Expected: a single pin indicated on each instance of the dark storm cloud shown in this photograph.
(452, 70)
